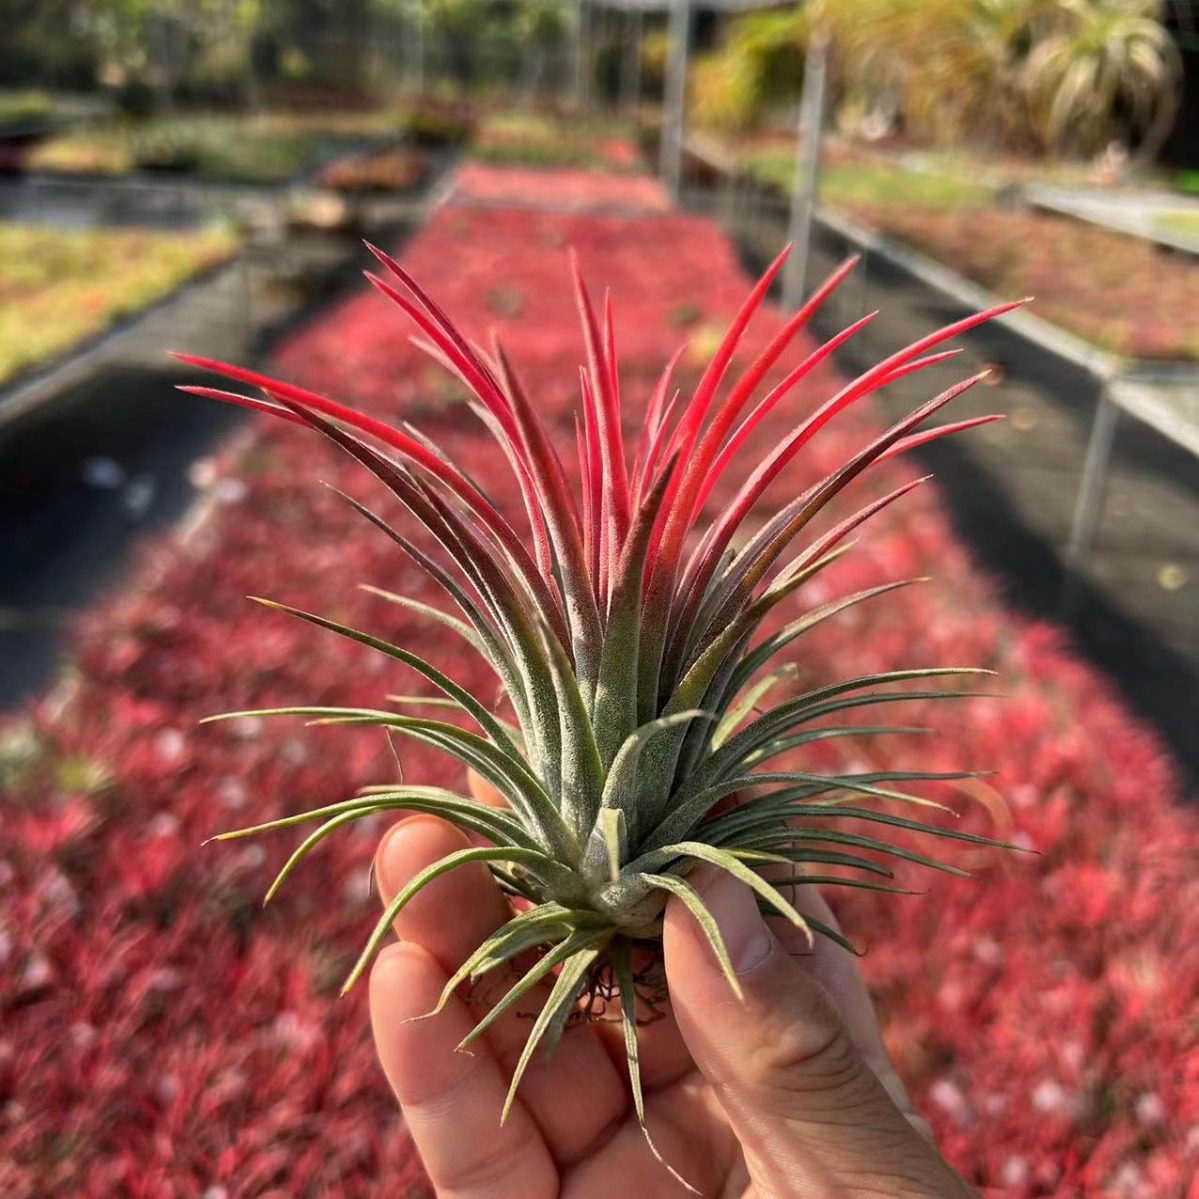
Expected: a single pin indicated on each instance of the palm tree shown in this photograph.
(1109, 69)
(953, 66)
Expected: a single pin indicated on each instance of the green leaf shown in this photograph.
(528, 930)
(624, 783)
(690, 897)
(467, 813)
(708, 678)
(469, 635)
(717, 829)
(508, 772)
(442, 682)
(582, 771)
(611, 827)
(578, 940)
(452, 861)
(705, 656)
(780, 841)
(304, 847)
(757, 658)
(723, 860)
(512, 608)
(688, 809)
(801, 854)
(623, 972)
(616, 692)
(553, 1016)
(784, 744)
(818, 926)
(833, 880)
(498, 655)
(498, 826)
(779, 719)
(806, 716)
(749, 701)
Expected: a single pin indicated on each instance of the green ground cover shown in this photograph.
(59, 288)
(538, 139)
(1181, 224)
(851, 180)
(240, 149)
(23, 106)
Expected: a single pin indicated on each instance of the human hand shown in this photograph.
(787, 1095)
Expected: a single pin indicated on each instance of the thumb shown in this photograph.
(811, 1116)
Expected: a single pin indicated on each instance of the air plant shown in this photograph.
(637, 744)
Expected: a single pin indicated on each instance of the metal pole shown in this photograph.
(244, 337)
(630, 57)
(638, 27)
(580, 54)
(807, 171)
(670, 159)
(420, 49)
(1089, 506)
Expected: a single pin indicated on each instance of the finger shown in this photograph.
(455, 913)
(450, 918)
(836, 969)
(451, 1101)
(812, 1117)
(487, 794)
(665, 1057)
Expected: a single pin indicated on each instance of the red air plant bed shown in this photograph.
(163, 1036)
(560, 188)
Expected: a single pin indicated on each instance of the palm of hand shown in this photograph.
(572, 1131)
(822, 1112)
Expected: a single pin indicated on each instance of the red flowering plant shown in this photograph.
(1044, 1024)
(633, 653)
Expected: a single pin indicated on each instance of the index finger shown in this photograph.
(451, 1101)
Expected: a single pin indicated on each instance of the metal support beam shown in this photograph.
(419, 29)
(630, 61)
(807, 171)
(670, 153)
(1088, 507)
(580, 54)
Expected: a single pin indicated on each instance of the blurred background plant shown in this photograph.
(1061, 77)
(758, 68)
(1047, 76)
(200, 173)
(1105, 69)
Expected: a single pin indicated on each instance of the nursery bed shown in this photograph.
(59, 288)
(1122, 293)
(213, 146)
(1043, 1015)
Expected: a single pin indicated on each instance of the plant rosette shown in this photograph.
(636, 646)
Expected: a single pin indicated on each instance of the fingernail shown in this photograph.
(735, 911)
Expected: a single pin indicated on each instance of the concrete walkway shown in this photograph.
(96, 456)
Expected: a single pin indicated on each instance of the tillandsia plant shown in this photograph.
(631, 648)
